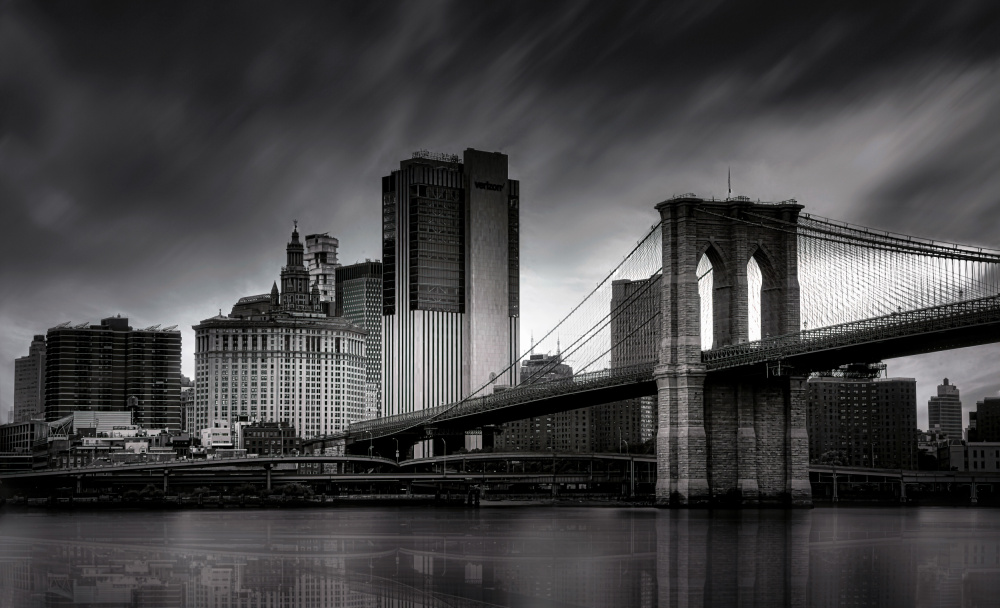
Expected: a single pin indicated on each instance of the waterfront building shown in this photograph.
(944, 411)
(560, 432)
(976, 456)
(270, 439)
(111, 367)
(450, 277)
(219, 435)
(862, 421)
(29, 383)
(359, 300)
(987, 419)
(281, 357)
(18, 437)
(321, 260)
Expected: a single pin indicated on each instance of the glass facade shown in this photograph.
(437, 249)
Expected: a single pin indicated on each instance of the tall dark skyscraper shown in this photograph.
(112, 367)
(359, 300)
(29, 383)
(944, 411)
(450, 278)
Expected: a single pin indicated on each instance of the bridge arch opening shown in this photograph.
(753, 300)
(764, 295)
(705, 284)
(713, 293)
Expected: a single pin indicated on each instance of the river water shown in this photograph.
(501, 555)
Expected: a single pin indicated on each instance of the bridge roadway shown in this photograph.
(956, 325)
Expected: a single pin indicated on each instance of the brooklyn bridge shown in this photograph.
(721, 311)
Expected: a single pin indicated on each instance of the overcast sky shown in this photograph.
(154, 154)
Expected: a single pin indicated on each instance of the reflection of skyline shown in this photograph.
(596, 557)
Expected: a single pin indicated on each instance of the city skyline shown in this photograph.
(155, 184)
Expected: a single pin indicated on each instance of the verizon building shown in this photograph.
(450, 290)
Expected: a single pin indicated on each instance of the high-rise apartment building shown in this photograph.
(112, 367)
(944, 411)
(281, 357)
(359, 300)
(863, 422)
(450, 278)
(321, 260)
(29, 383)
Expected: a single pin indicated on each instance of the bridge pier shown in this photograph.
(735, 439)
(681, 468)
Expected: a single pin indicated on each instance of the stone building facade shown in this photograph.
(281, 357)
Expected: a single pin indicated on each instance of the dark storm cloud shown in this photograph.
(153, 154)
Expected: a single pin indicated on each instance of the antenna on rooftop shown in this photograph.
(729, 179)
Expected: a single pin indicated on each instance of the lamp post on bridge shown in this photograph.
(371, 444)
(397, 449)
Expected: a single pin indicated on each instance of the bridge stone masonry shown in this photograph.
(727, 437)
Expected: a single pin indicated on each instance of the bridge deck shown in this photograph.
(955, 325)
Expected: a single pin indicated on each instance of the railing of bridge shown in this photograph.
(956, 315)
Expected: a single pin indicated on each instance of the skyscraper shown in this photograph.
(945, 410)
(359, 300)
(29, 383)
(281, 357)
(112, 367)
(450, 278)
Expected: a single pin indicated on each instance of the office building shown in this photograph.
(635, 339)
(321, 260)
(560, 432)
(29, 383)
(944, 411)
(862, 421)
(359, 300)
(987, 420)
(450, 279)
(112, 367)
(281, 357)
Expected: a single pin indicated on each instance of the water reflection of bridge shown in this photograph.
(585, 557)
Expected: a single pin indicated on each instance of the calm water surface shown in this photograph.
(506, 556)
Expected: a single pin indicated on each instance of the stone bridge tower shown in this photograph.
(727, 437)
